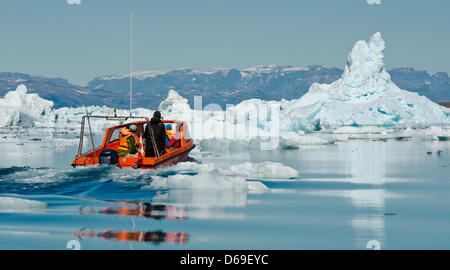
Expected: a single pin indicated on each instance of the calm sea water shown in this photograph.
(347, 194)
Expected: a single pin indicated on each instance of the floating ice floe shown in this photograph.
(264, 170)
(292, 140)
(438, 133)
(13, 204)
(360, 130)
(208, 176)
(429, 133)
(201, 181)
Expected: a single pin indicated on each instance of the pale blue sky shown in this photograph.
(80, 42)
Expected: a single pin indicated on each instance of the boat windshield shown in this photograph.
(115, 133)
(114, 136)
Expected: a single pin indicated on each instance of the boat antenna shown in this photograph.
(131, 61)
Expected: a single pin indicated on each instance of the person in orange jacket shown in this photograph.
(128, 142)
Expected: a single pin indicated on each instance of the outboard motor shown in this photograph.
(108, 157)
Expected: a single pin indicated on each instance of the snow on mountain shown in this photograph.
(364, 95)
(263, 69)
(142, 75)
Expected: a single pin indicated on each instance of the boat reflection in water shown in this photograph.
(142, 209)
(138, 209)
(155, 237)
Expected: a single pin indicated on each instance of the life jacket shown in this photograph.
(169, 133)
(124, 134)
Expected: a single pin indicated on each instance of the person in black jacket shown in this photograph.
(155, 129)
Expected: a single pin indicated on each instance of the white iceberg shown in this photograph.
(19, 108)
(364, 95)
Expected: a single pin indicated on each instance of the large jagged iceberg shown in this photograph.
(364, 95)
(19, 108)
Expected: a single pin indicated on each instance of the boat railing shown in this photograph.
(107, 117)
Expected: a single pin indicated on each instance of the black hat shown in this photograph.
(157, 114)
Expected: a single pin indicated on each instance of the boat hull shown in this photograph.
(169, 159)
(111, 142)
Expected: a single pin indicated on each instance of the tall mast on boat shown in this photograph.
(131, 61)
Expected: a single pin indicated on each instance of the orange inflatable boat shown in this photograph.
(106, 154)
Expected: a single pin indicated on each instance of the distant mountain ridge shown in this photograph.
(436, 87)
(58, 90)
(222, 86)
